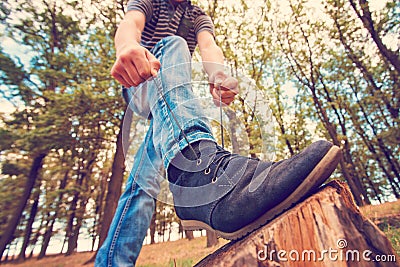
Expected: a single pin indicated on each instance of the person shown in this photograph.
(212, 188)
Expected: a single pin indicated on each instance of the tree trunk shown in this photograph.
(365, 16)
(116, 180)
(77, 220)
(189, 234)
(100, 200)
(180, 230)
(326, 229)
(73, 237)
(78, 204)
(69, 231)
(28, 228)
(153, 226)
(114, 186)
(51, 219)
(12, 224)
(46, 238)
(212, 239)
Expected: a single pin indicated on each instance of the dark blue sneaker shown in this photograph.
(234, 195)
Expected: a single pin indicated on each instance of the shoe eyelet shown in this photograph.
(214, 180)
(198, 162)
(207, 171)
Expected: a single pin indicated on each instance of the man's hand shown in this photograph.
(134, 65)
(223, 88)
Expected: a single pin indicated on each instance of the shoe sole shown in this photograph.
(318, 175)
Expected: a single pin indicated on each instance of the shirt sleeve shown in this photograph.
(144, 6)
(202, 22)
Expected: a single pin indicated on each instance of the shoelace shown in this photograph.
(159, 89)
(220, 162)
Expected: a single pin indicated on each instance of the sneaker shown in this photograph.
(234, 195)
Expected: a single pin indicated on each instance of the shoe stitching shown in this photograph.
(231, 180)
(221, 162)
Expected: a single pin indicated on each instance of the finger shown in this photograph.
(121, 80)
(218, 77)
(136, 65)
(155, 64)
(215, 92)
(132, 76)
(226, 96)
(121, 76)
(217, 99)
(227, 101)
(225, 93)
(154, 72)
(138, 72)
(222, 92)
(230, 84)
(126, 69)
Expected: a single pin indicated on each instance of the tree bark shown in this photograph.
(14, 220)
(51, 219)
(46, 238)
(189, 235)
(326, 229)
(28, 228)
(212, 239)
(153, 226)
(115, 184)
(366, 17)
(116, 180)
(78, 205)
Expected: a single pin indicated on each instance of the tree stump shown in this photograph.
(326, 229)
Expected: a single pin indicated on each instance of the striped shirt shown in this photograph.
(163, 20)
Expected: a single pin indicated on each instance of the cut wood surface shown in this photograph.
(326, 229)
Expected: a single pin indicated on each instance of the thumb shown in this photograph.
(154, 63)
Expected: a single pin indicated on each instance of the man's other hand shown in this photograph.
(223, 88)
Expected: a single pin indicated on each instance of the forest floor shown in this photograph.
(185, 253)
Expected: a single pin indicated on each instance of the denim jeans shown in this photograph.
(163, 141)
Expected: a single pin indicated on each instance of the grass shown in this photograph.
(381, 210)
(173, 263)
(181, 253)
(184, 253)
(387, 217)
(393, 234)
(77, 259)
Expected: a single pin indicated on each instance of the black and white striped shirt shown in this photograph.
(163, 20)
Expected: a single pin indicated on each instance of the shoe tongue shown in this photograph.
(195, 149)
(192, 153)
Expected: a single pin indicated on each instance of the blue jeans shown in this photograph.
(163, 141)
